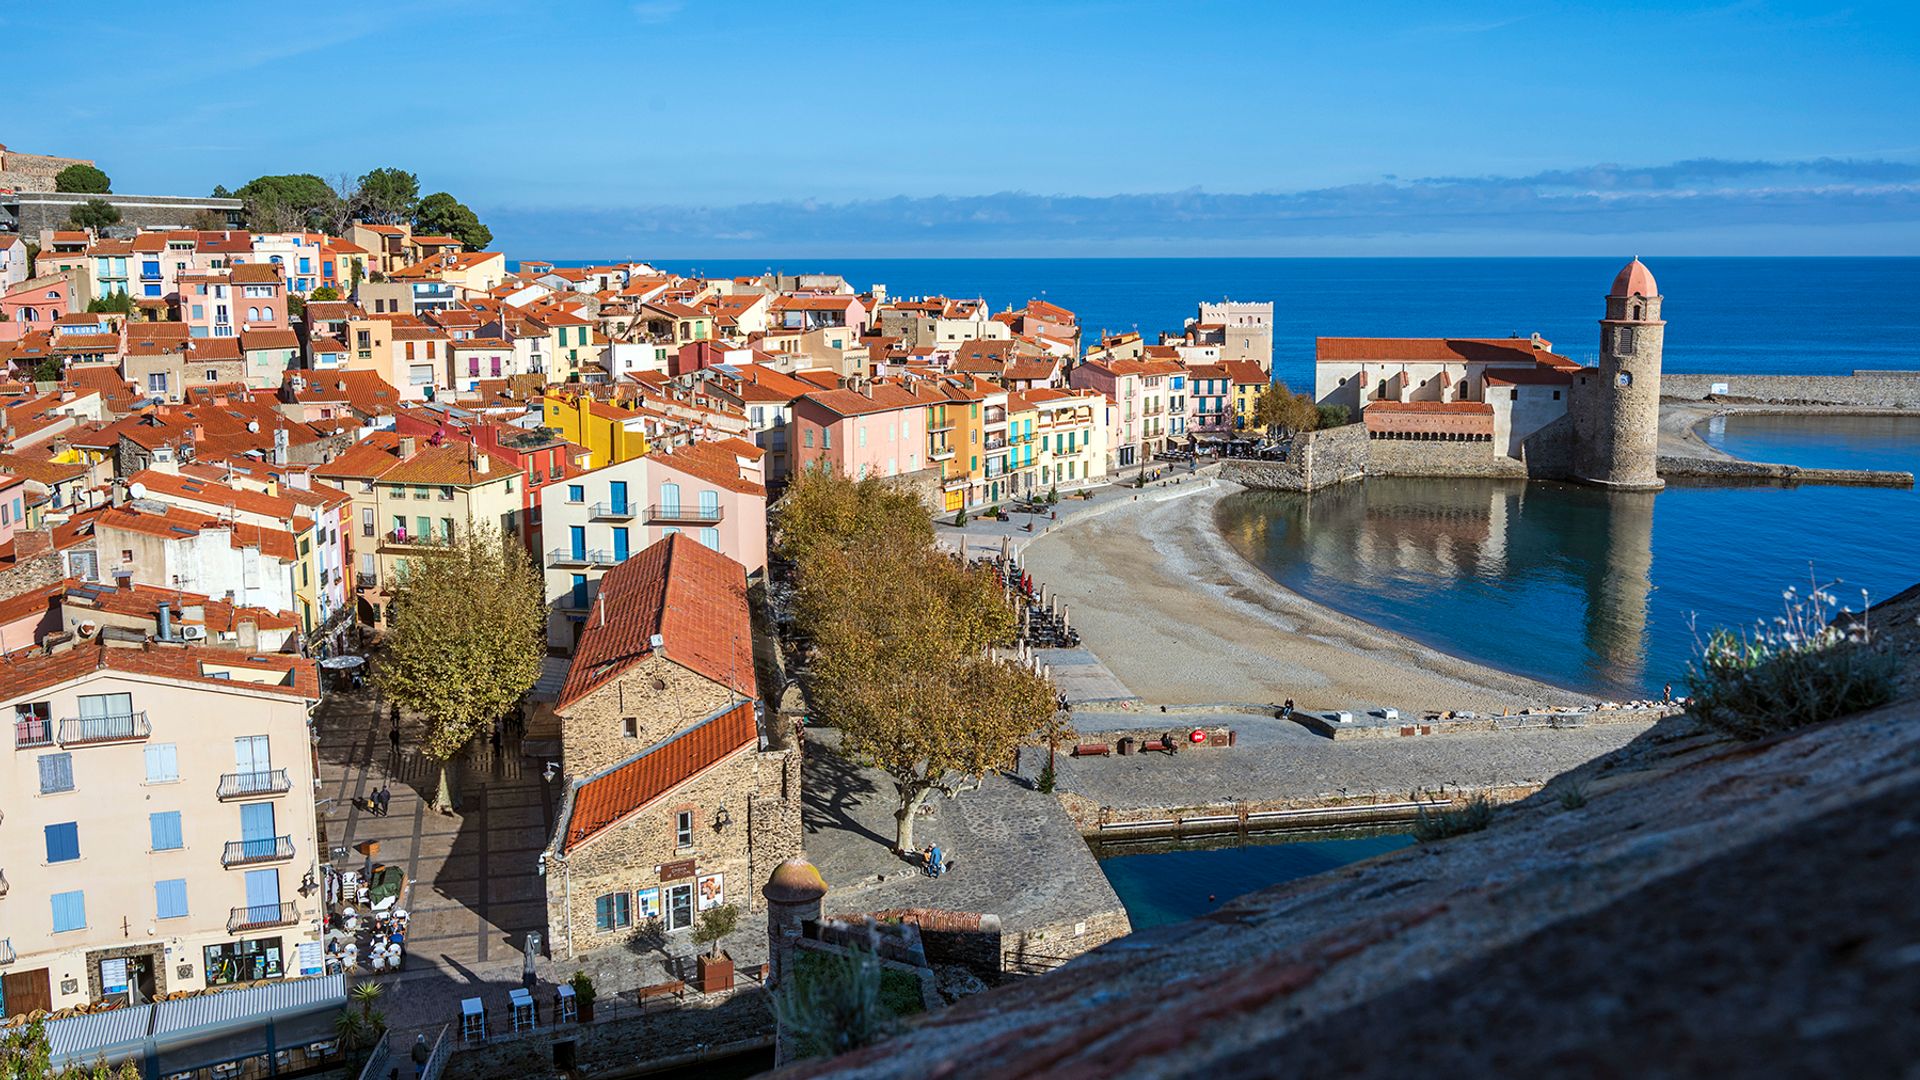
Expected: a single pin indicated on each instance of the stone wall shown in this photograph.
(1045, 947)
(33, 172)
(965, 938)
(1878, 389)
(1733, 469)
(50, 211)
(30, 571)
(1320, 459)
(1413, 457)
(762, 793)
(704, 1027)
(659, 695)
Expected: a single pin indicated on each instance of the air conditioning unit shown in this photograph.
(193, 633)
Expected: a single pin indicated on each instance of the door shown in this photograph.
(619, 496)
(670, 500)
(263, 896)
(106, 715)
(577, 540)
(619, 545)
(256, 832)
(679, 907)
(709, 506)
(25, 991)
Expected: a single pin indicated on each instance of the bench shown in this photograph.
(758, 974)
(675, 988)
(1092, 749)
(1159, 745)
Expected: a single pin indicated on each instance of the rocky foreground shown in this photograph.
(1685, 906)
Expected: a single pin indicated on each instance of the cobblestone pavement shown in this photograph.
(984, 536)
(1016, 853)
(474, 889)
(1278, 760)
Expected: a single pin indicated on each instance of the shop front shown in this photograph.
(245, 961)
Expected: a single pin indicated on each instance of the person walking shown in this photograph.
(386, 798)
(421, 1054)
(393, 736)
(1668, 694)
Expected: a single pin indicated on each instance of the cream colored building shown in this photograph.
(1072, 436)
(159, 821)
(435, 493)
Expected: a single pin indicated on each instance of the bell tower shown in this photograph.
(1619, 431)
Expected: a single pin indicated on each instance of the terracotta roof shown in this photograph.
(715, 462)
(143, 601)
(692, 597)
(28, 673)
(604, 800)
(1516, 350)
(1634, 279)
(456, 464)
(1467, 408)
(369, 459)
(263, 273)
(269, 339)
(39, 469)
(1533, 376)
(886, 398)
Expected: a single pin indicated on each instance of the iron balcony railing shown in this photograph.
(364, 580)
(265, 849)
(673, 512)
(6, 952)
(584, 557)
(996, 442)
(28, 734)
(940, 453)
(3, 883)
(612, 511)
(253, 785)
(261, 916)
(82, 731)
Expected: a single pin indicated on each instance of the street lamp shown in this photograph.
(722, 819)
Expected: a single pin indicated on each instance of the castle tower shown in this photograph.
(1619, 425)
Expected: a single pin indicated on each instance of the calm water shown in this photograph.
(1588, 589)
(1820, 442)
(1169, 884)
(1724, 315)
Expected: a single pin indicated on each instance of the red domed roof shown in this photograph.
(1634, 279)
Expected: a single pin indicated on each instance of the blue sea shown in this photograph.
(1171, 883)
(1812, 315)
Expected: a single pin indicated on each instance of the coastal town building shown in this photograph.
(679, 796)
(212, 747)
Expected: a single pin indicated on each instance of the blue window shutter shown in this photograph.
(63, 842)
(165, 827)
(69, 911)
(170, 898)
(56, 773)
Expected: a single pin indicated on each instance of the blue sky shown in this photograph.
(694, 128)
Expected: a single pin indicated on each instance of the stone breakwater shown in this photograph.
(1866, 389)
(1706, 468)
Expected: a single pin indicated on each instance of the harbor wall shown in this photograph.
(1320, 459)
(1705, 468)
(1872, 389)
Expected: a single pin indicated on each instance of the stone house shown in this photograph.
(680, 796)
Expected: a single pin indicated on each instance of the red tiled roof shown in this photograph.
(27, 673)
(1518, 350)
(604, 800)
(692, 597)
(1533, 376)
(1465, 408)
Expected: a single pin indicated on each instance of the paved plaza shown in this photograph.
(474, 889)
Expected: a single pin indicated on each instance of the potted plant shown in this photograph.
(716, 969)
(583, 994)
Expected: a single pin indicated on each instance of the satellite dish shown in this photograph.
(137, 489)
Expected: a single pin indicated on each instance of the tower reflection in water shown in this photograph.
(1551, 580)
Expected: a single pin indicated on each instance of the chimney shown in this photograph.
(482, 464)
(166, 621)
(407, 447)
(248, 632)
(27, 545)
(199, 433)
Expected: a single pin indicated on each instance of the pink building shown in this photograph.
(13, 506)
(879, 429)
(221, 303)
(34, 304)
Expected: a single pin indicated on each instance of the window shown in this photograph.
(69, 911)
(366, 521)
(56, 773)
(670, 499)
(620, 548)
(826, 438)
(170, 898)
(156, 382)
(806, 436)
(711, 538)
(63, 842)
(163, 764)
(630, 726)
(1623, 338)
(683, 828)
(613, 911)
(165, 829)
(576, 493)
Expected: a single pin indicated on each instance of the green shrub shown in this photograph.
(1332, 415)
(834, 1003)
(959, 517)
(1573, 795)
(1800, 669)
(1431, 825)
(1047, 779)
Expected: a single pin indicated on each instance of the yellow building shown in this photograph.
(613, 433)
(1249, 382)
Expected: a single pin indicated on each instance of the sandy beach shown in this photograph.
(1182, 618)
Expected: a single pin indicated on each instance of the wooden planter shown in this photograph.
(716, 973)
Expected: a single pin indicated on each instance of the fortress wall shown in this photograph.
(1877, 389)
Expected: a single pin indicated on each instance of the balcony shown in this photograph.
(676, 514)
(587, 557)
(612, 511)
(89, 730)
(996, 415)
(253, 785)
(261, 917)
(996, 442)
(28, 734)
(3, 883)
(940, 453)
(936, 429)
(6, 952)
(364, 581)
(266, 849)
